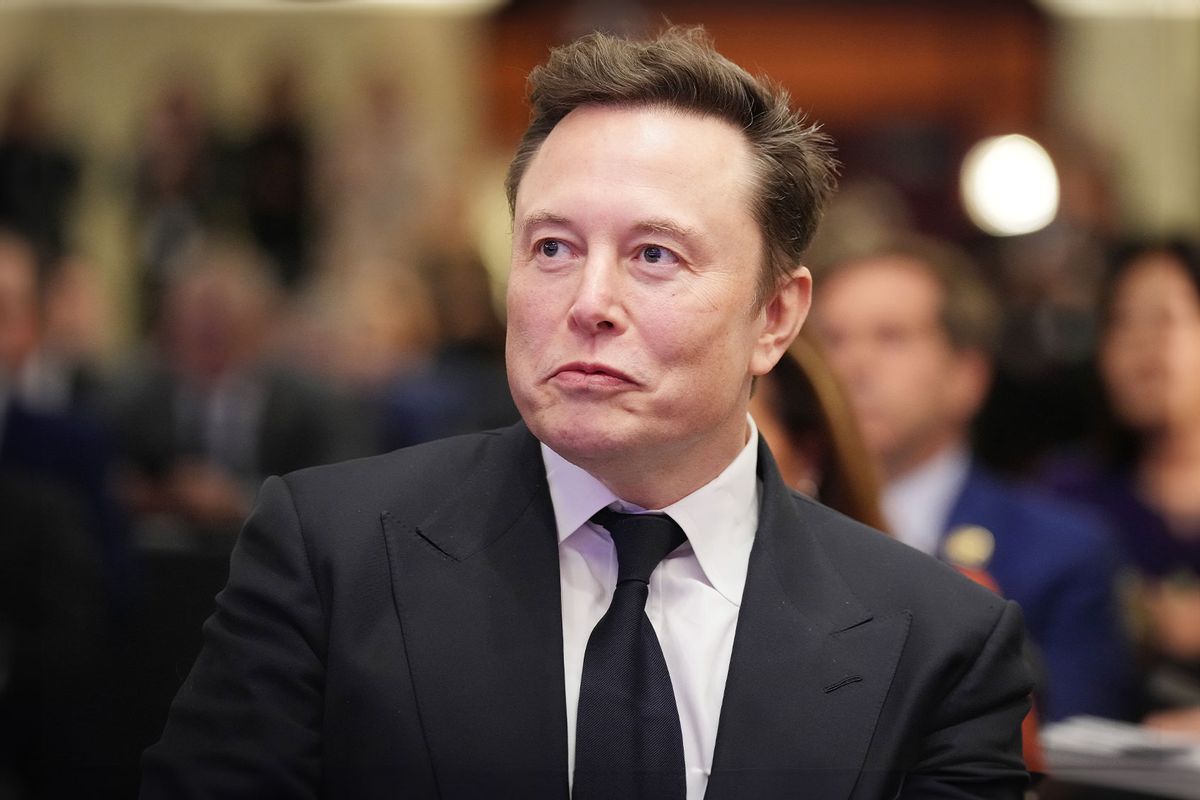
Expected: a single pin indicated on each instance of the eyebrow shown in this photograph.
(540, 218)
(666, 226)
(659, 225)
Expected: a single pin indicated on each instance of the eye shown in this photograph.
(657, 254)
(550, 247)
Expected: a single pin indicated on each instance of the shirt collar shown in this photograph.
(719, 519)
(918, 504)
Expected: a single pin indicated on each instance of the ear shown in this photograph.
(781, 319)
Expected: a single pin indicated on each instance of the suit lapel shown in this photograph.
(476, 589)
(810, 666)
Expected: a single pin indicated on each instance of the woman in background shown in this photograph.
(1147, 480)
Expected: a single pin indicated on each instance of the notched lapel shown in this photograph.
(810, 670)
(476, 590)
(801, 704)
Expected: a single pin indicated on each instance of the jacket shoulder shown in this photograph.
(888, 575)
(338, 497)
(430, 462)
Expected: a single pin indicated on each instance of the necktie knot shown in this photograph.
(641, 541)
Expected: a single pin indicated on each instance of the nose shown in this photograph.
(598, 305)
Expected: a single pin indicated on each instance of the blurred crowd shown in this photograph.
(289, 314)
(1027, 410)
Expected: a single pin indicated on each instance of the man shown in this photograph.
(421, 624)
(206, 418)
(70, 449)
(909, 328)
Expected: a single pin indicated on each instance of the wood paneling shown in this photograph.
(978, 69)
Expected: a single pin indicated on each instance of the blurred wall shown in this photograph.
(1132, 85)
(104, 65)
(980, 67)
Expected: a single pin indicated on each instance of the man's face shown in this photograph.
(912, 392)
(632, 326)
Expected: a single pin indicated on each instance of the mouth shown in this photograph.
(588, 375)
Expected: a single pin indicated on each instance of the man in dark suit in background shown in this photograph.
(209, 414)
(421, 624)
(910, 328)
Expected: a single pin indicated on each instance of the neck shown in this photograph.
(900, 464)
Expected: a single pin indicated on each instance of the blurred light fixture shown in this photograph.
(1122, 8)
(1009, 185)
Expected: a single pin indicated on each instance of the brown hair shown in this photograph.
(680, 69)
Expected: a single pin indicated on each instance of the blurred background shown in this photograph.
(239, 238)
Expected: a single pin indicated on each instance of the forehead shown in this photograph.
(1157, 275)
(884, 288)
(638, 156)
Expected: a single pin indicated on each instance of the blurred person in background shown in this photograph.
(462, 387)
(210, 413)
(276, 177)
(365, 328)
(371, 195)
(910, 328)
(1146, 478)
(65, 373)
(182, 183)
(364, 325)
(803, 413)
(39, 175)
(69, 449)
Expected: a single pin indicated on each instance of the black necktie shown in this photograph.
(628, 741)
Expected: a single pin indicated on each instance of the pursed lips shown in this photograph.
(587, 375)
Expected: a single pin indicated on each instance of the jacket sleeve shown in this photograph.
(247, 721)
(972, 746)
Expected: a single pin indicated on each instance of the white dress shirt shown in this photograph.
(917, 505)
(695, 593)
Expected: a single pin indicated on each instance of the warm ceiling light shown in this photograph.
(1009, 185)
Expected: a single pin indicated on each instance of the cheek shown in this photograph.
(1119, 368)
(528, 314)
(1185, 369)
(1185, 350)
(902, 382)
(678, 339)
(520, 345)
(728, 358)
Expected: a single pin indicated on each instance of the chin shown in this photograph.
(578, 440)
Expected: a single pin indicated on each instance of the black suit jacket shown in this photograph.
(392, 628)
